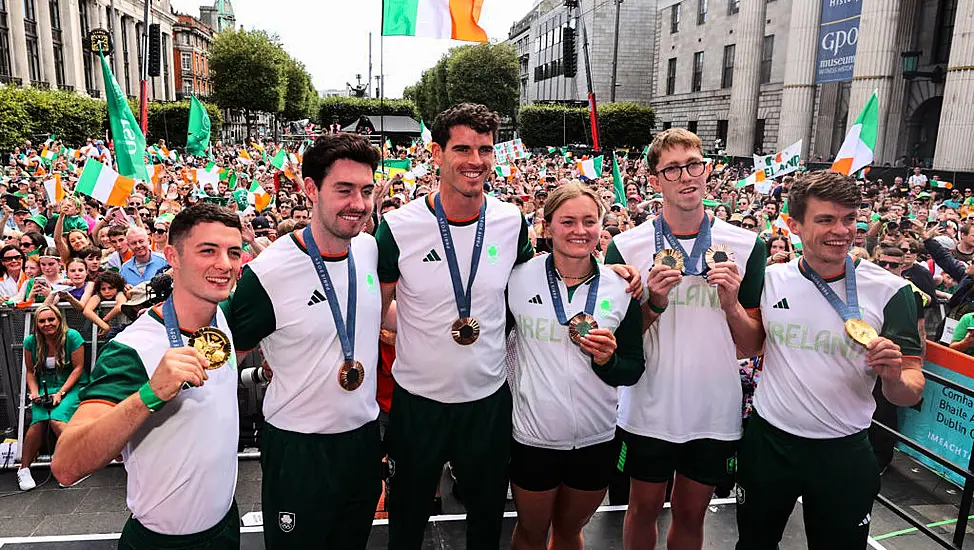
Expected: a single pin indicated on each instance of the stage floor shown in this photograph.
(90, 516)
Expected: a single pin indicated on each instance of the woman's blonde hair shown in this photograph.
(569, 191)
(40, 342)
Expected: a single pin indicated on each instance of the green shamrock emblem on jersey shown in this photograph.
(370, 282)
(492, 254)
(605, 308)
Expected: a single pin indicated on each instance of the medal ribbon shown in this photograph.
(849, 309)
(345, 328)
(700, 246)
(463, 297)
(172, 323)
(593, 291)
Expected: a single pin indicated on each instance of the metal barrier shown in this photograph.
(967, 495)
(15, 325)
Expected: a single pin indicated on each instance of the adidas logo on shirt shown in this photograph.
(535, 300)
(865, 521)
(432, 256)
(316, 298)
(783, 304)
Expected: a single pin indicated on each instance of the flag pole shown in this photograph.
(382, 95)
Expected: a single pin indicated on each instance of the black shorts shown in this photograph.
(652, 460)
(584, 469)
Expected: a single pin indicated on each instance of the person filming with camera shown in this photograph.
(54, 355)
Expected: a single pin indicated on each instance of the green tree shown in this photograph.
(248, 72)
(625, 124)
(348, 109)
(299, 95)
(486, 74)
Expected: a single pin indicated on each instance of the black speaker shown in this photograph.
(568, 53)
(155, 49)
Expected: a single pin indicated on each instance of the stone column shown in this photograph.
(798, 93)
(954, 150)
(18, 41)
(96, 14)
(133, 36)
(74, 68)
(45, 42)
(906, 40)
(117, 60)
(747, 78)
(877, 59)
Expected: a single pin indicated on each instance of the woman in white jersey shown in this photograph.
(565, 395)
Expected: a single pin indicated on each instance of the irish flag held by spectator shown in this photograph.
(104, 184)
(456, 19)
(590, 168)
(857, 149)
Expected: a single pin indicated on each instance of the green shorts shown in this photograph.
(64, 410)
(320, 490)
(651, 460)
(225, 535)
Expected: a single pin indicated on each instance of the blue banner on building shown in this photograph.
(942, 423)
(838, 34)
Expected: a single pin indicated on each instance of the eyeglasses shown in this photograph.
(27, 244)
(890, 265)
(748, 225)
(12, 258)
(160, 230)
(694, 169)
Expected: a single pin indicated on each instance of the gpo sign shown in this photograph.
(835, 41)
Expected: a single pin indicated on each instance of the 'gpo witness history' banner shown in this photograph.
(838, 34)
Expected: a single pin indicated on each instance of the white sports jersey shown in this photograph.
(182, 463)
(692, 386)
(815, 382)
(279, 303)
(429, 362)
(559, 400)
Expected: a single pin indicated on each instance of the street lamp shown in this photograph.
(911, 60)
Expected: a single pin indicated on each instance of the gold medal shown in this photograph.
(351, 375)
(212, 344)
(717, 254)
(580, 326)
(670, 258)
(860, 331)
(465, 331)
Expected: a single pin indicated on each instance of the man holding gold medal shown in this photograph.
(163, 394)
(311, 301)
(807, 436)
(704, 279)
(451, 401)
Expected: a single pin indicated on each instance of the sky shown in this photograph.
(331, 37)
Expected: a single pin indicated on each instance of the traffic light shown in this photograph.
(155, 49)
(568, 54)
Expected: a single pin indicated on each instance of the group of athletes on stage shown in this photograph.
(631, 366)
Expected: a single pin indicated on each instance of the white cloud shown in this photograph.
(331, 37)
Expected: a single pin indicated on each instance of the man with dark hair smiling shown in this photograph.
(807, 436)
(311, 301)
(179, 445)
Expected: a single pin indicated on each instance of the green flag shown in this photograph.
(129, 141)
(404, 164)
(279, 159)
(617, 187)
(198, 138)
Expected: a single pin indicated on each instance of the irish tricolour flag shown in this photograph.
(590, 168)
(104, 184)
(857, 149)
(456, 19)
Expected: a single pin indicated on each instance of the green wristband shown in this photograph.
(149, 398)
(656, 310)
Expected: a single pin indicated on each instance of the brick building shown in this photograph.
(191, 51)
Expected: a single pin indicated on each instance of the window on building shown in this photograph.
(125, 53)
(759, 136)
(4, 42)
(30, 10)
(697, 81)
(727, 76)
(692, 126)
(946, 14)
(55, 9)
(733, 6)
(767, 54)
(722, 132)
(186, 60)
(675, 18)
(33, 58)
(671, 76)
(702, 11)
(667, 125)
(87, 56)
(187, 86)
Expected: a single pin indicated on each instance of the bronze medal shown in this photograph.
(465, 331)
(669, 258)
(212, 344)
(860, 331)
(580, 326)
(717, 254)
(351, 375)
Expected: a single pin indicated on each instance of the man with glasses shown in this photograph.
(750, 223)
(664, 429)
